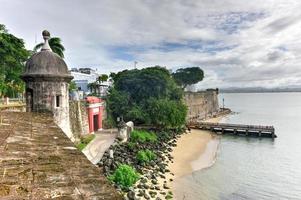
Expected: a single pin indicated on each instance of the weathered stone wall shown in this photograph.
(78, 118)
(44, 99)
(201, 104)
(38, 161)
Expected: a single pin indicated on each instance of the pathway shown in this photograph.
(96, 148)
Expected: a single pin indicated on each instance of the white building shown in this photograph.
(82, 80)
(84, 76)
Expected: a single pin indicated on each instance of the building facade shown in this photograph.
(47, 81)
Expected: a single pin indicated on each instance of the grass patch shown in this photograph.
(84, 141)
(125, 176)
(145, 156)
(143, 136)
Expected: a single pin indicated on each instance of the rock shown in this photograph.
(145, 186)
(111, 153)
(157, 187)
(131, 195)
(165, 186)
(154, 181)
(162, 176)
(143, 180)
(146, 196)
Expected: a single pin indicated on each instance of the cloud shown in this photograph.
(237, 43)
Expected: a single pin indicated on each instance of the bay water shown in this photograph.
(254, 168)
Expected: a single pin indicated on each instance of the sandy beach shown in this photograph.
(195, 151)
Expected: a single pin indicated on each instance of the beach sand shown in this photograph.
(195, 151)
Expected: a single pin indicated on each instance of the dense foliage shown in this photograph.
(167, 113)
(188, 76)
(135, 92)
(55, 44)
(145, 156)
(103, 78)
(72, 86)
(12, 59)
(143, 136)
(124, 176)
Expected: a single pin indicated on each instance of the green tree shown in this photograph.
(135, 91)
(55, 44)
(188, 76)
(167, 113)
(12, 59)
(103, 78)
(92, 87)
(72, 86)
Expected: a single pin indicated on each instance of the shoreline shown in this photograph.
(178, 154)
(195, 151)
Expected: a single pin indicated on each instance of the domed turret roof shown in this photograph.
(46, 64)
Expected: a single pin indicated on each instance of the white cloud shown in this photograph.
(237, 43)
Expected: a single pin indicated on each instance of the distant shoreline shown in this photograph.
(233, 92)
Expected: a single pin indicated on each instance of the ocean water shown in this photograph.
(254, 168)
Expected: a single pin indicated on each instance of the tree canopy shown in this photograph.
(12, 59)
(103, 78)
(188, 76)
(137, 93)
(55, 44)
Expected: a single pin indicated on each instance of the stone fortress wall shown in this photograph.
(78, 118)
(201, 104)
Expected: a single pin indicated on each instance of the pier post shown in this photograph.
(259, 133)
(235, 131)
(222, 131)
(247, 132)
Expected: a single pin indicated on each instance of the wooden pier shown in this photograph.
(236, 129)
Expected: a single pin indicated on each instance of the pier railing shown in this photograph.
(237, 129)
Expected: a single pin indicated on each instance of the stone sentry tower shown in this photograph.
(47, 82)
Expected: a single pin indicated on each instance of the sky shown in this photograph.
(238, 43)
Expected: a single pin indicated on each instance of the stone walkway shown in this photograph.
(96, 148)
(38, 161)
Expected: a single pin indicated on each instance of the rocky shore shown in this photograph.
(155, 176)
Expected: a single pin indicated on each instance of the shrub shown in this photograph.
(167, 113)
(145, 156)
(84, 141)
(131, 145)
(124, 176)
(143, 136)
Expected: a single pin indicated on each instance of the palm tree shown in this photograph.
(55, 44)
(103, 78)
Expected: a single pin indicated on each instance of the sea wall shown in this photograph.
(201, 104)
(78, 118)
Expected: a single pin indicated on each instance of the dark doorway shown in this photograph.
(95, 122)
(29, 100)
